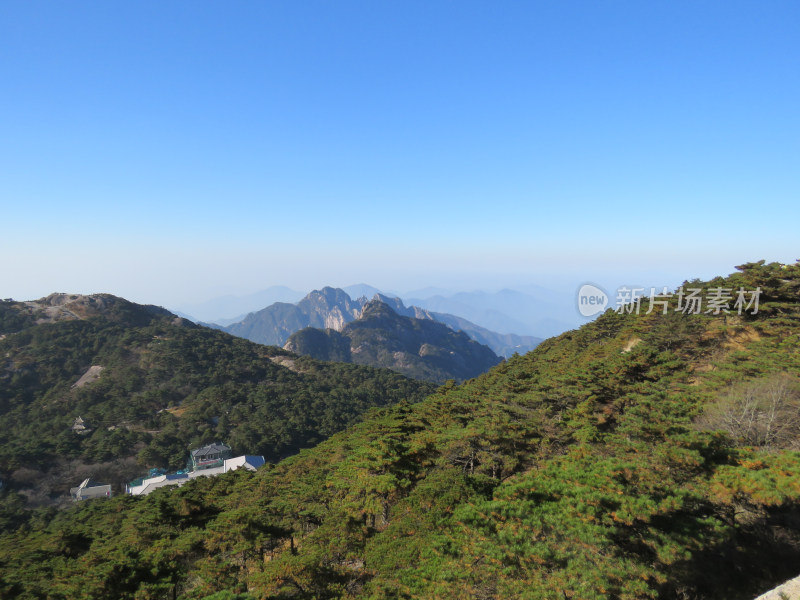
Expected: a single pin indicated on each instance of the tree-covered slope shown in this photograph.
(611, 462)
(380, 337)
(154, 386)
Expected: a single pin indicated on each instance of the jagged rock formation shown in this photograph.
(331, 308)
(326, 308)
(416, 347)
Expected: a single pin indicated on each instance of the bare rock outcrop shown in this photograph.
(789, 590)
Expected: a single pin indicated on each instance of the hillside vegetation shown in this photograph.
(633, 458)
(157, 386)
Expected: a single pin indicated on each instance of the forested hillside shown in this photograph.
(149, 386)
(642, 456)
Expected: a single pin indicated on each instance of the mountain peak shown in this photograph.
(333, 308)
(420, 348)
(70, 307)
(377, 308)
(330, 296)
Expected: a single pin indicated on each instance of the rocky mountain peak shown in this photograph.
(69, 307)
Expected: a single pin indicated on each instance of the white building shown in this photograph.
(90, 489)
(250, 463)
(153, 483)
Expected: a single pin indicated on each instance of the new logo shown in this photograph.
(591, 300)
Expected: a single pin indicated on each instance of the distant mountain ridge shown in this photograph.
(502, 344)
(333, 308)
(525, 310)
(422, 348)
(325, 308)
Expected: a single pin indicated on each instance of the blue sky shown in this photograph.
(172, 151)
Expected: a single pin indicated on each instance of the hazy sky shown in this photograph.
(165, 151)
